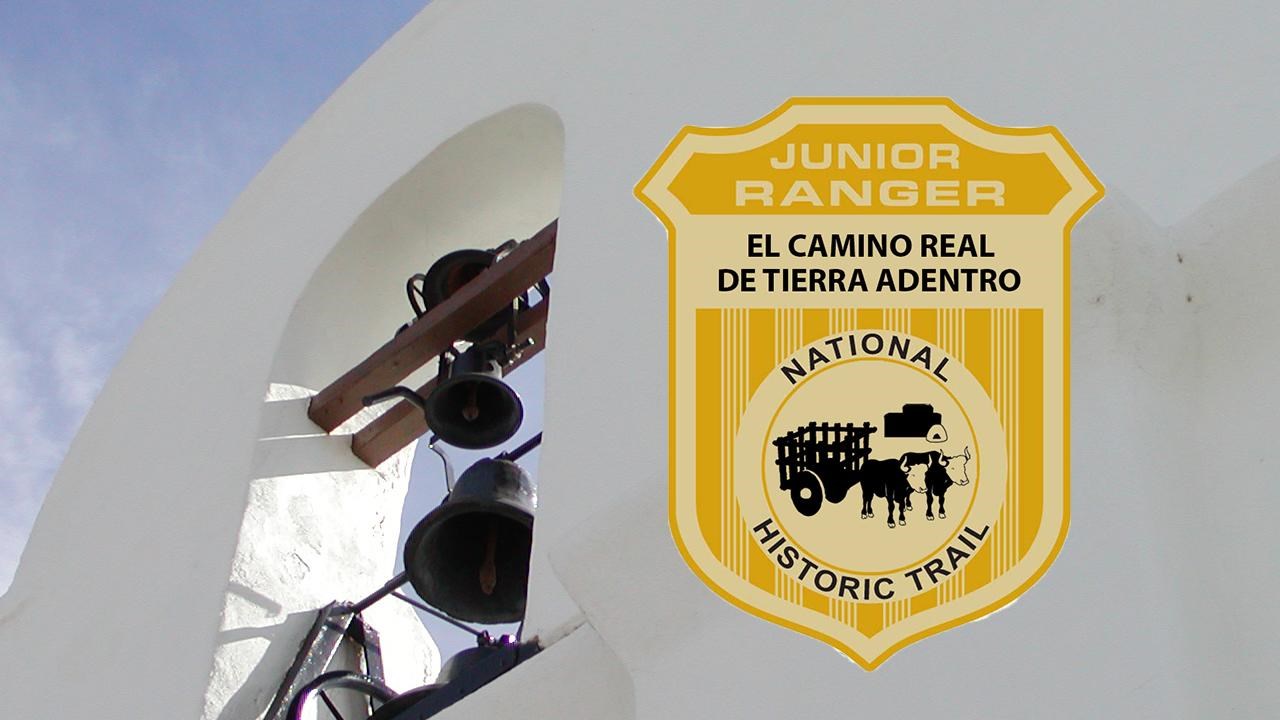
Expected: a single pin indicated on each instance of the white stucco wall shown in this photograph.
(318, 526)
(1159, 603)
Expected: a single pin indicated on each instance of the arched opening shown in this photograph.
(319, 520)
(499, 178)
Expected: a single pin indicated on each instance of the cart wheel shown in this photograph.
(806, 492)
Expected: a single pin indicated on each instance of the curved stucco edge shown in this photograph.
(145, 513)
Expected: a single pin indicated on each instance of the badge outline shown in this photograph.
(1007, 598)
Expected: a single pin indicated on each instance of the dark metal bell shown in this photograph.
(450, 273)
(460, 675)
(465, 661)
(470, 556)
(470, 406)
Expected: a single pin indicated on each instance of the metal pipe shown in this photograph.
(392, 585)
(399, 391)
(448, 467)
(522, 449)
(436, 613)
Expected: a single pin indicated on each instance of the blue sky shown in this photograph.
(126, 130)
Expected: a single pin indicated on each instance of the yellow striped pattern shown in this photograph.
(737, 348)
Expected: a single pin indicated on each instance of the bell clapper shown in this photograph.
(471, 410)
(489, 568)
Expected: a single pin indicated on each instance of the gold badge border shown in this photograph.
(872, 663)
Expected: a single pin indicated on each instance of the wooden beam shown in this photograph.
(403, 423)
(431, 334)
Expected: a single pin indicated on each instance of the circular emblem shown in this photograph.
(875, 461)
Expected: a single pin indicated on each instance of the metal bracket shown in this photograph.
(334, 623)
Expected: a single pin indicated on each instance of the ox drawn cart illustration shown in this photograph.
(821, 461)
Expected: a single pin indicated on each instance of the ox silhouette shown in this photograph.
(888, 479)
(941, 472)
(928, 473)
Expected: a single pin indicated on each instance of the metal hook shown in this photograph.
(448, 467)
(399, 391)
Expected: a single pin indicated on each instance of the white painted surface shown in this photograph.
(1160, 602)
(318, 525)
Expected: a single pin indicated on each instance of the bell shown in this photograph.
(936, 434)
(449, 274)
(478, 665)
(465, 662)
(470, 406)
(470, 556)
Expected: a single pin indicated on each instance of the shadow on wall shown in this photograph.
(290, 444)
(256, 689)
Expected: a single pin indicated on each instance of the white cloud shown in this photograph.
(119, 154)
(29, 452)
(97, 211)
(76, 369)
